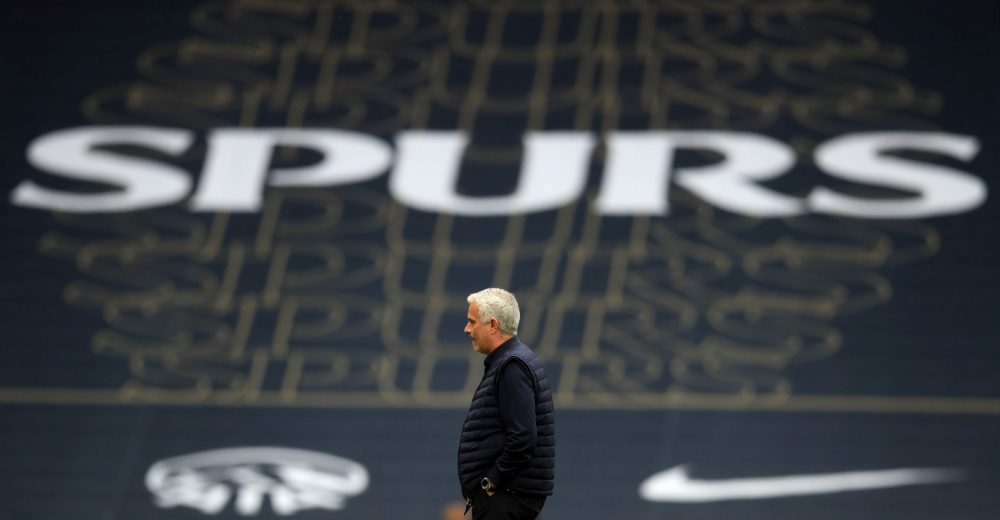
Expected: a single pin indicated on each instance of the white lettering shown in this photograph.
(238, 159)
(730, 184)
(637, 176)
(858, 157)
(553, 173)
(70, 153)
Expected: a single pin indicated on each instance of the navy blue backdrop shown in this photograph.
(807, 365)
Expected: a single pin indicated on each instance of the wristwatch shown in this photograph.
(487, 484)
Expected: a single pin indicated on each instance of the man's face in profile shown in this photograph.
(476, 330)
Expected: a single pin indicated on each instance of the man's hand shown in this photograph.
(487, 486)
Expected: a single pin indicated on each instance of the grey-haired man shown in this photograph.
(506, 453)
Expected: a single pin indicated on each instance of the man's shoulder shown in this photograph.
(522, 353)
(523, 357)
(519, 348)
(518, 361)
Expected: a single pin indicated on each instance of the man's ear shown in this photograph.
(494, 324)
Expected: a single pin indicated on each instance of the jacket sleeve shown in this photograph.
(516, 397)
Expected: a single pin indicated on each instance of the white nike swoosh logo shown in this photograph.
(675, 484)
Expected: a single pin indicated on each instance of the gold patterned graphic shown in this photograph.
(341, 296)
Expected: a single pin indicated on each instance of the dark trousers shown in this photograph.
(506, 505)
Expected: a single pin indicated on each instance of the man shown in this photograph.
(506, 453)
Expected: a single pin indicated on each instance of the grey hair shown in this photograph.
(499, 304)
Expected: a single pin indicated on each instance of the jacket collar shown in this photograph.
(497, 352)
